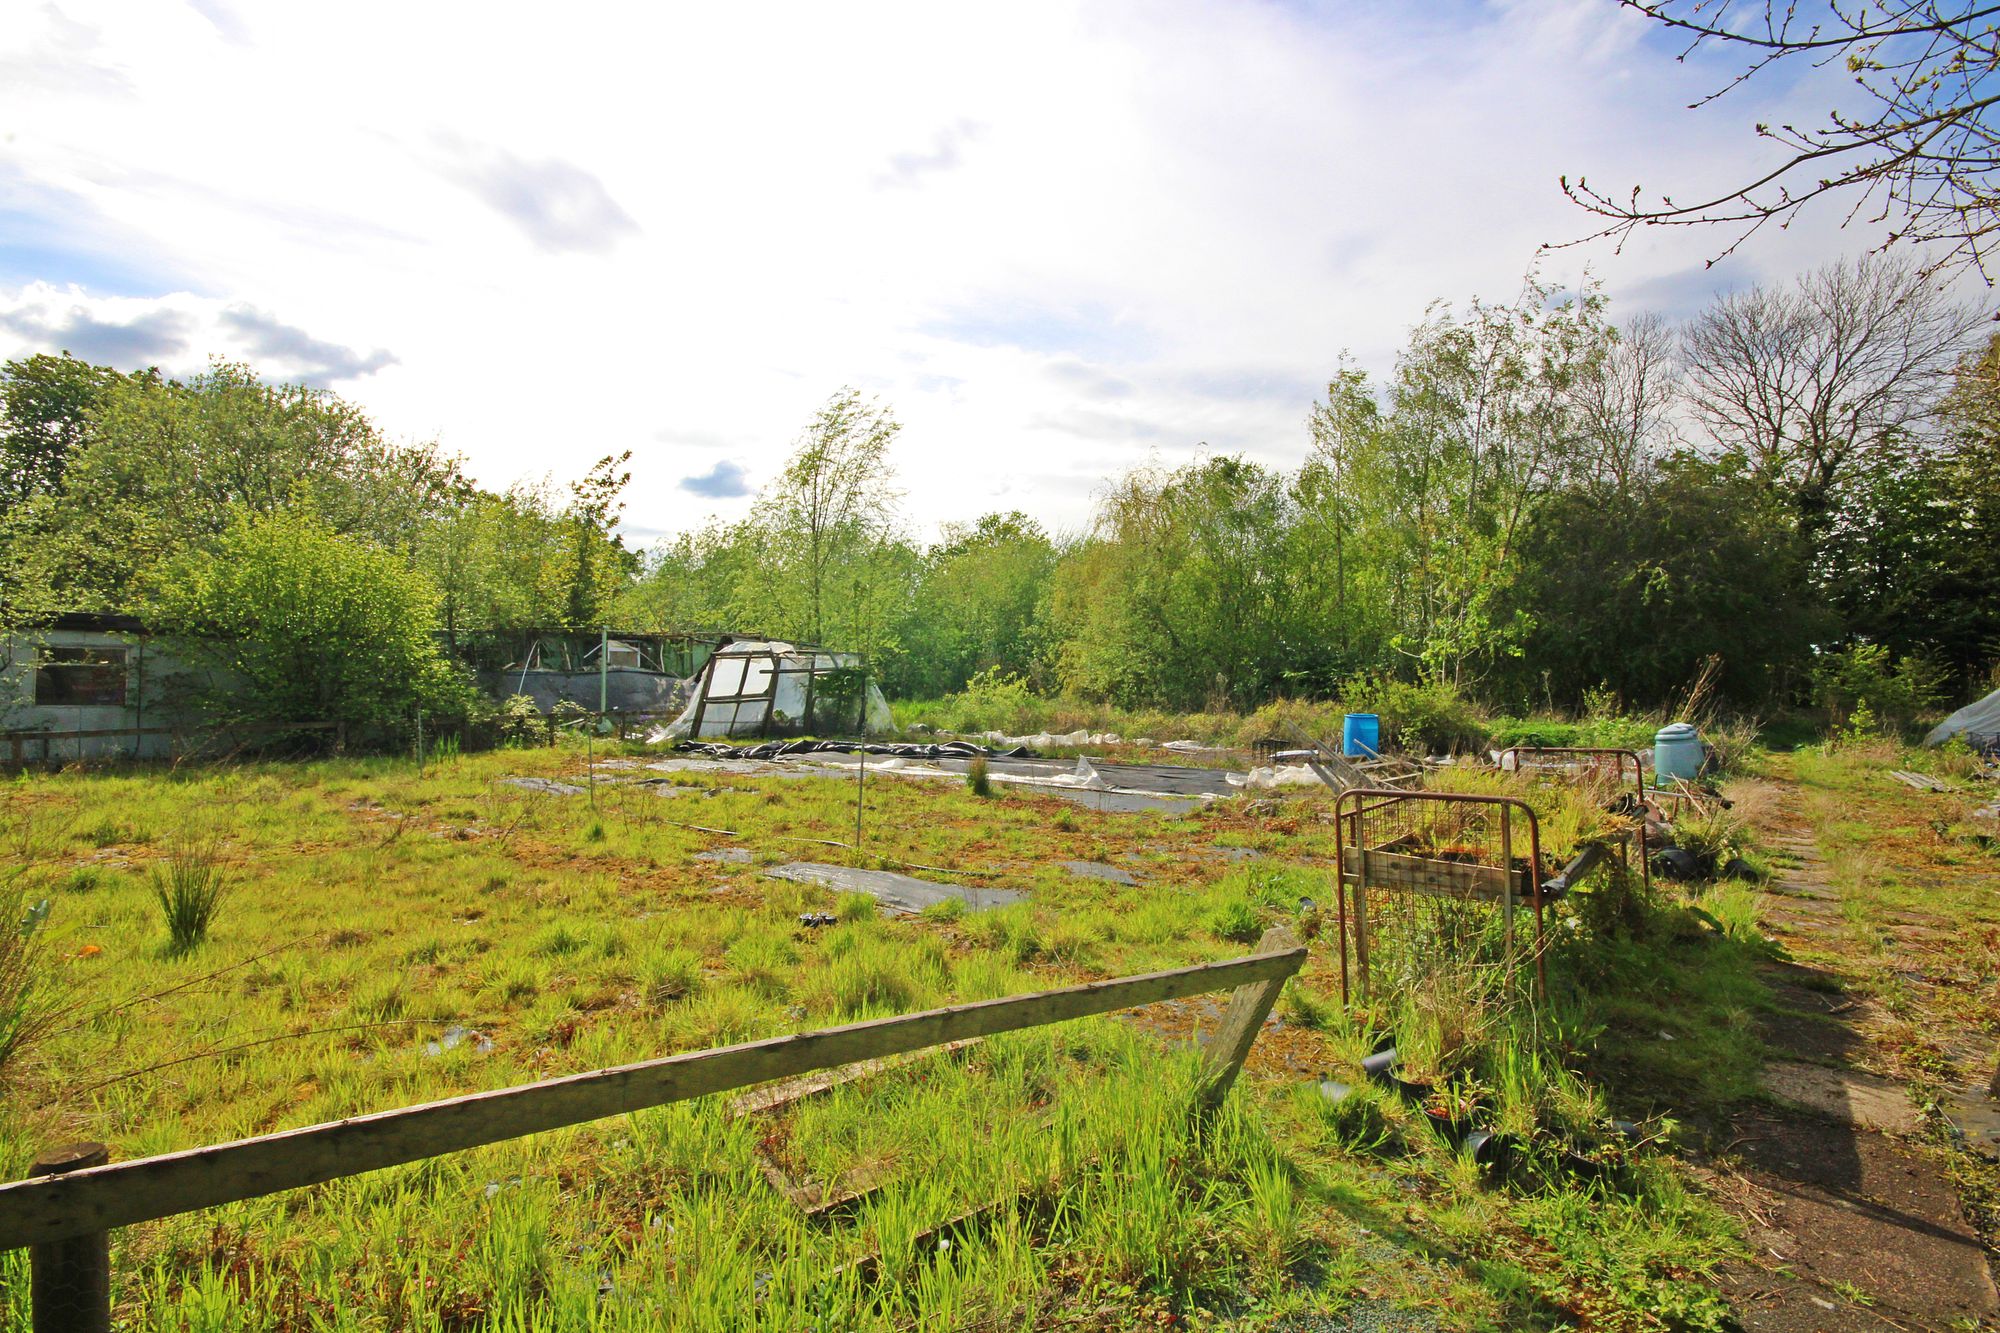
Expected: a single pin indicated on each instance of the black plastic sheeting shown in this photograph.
(894, 749)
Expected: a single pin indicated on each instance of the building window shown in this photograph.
(90, 677)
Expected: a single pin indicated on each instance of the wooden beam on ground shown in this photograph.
(798, 1089)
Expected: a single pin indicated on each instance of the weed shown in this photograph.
(667, 975)
(559, 941)
(763, 961)
(1304, 1009)
(1235, 919)
(22, 1003)
(977, 780)
(83, 879)
(189, 887)
(851, 907)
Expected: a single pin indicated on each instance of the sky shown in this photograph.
(1060, 241)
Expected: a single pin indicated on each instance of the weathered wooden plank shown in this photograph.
(1248, 1008)
(1422, 874)
(100, 1198)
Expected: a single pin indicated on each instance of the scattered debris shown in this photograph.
(735, 856)
(814, 920)
(898, 894)
(1921, 781)
(1283, 775)
(1043, 740)
(455, 1036)
(890, 749)
(814, 1200)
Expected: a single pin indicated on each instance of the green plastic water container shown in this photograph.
(1677, 752)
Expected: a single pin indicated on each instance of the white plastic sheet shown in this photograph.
(1980, 719)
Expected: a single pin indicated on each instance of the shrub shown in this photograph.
(189, 887)
(306, 625)
(1429, 716)
(993, 700)
(518, 721)
(1866, 676)
(977, 780)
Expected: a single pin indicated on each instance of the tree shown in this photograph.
(689, 583)
(294, 622)
(1483, 418)
(981, 592)
(827, 511)
(598, 562)
(1804, 382)
(1920, 160)
(1701, 561)
(1625, 409)
(1912, 560)
(1183, 598)
(164, 466)
(45, 407)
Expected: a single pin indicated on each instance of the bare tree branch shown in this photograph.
(1924, 162)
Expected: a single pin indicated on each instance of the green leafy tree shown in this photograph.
(1911, 557)
(290, 621)
(45, 407)
(982, 592)
(1424, 496)
(1182, 597)
(163, 467)
(825, 520)
(1703, 561)
(597, 562)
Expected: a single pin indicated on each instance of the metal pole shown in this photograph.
(69, 1280)
(420, 742)
(860, 787)
(139, 686)
(603, 671)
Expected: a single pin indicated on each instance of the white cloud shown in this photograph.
(1116, 231)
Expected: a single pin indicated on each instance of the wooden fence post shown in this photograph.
(70, 1280)
(1249, 1005)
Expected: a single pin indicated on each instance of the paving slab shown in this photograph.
(1831, 1207)
(1846, 1096)
(1099, 870)
(547, 785)
(900, 895)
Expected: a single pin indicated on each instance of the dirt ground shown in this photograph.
(1853, 1210)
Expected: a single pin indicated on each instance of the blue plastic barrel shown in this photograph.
(1677, 752)
(1361, 736)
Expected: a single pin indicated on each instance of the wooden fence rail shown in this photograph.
(66, 1216)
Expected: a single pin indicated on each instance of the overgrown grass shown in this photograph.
(391, 937)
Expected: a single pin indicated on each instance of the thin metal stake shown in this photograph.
(860, 786)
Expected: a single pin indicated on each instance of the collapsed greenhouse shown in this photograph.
(769, 688)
